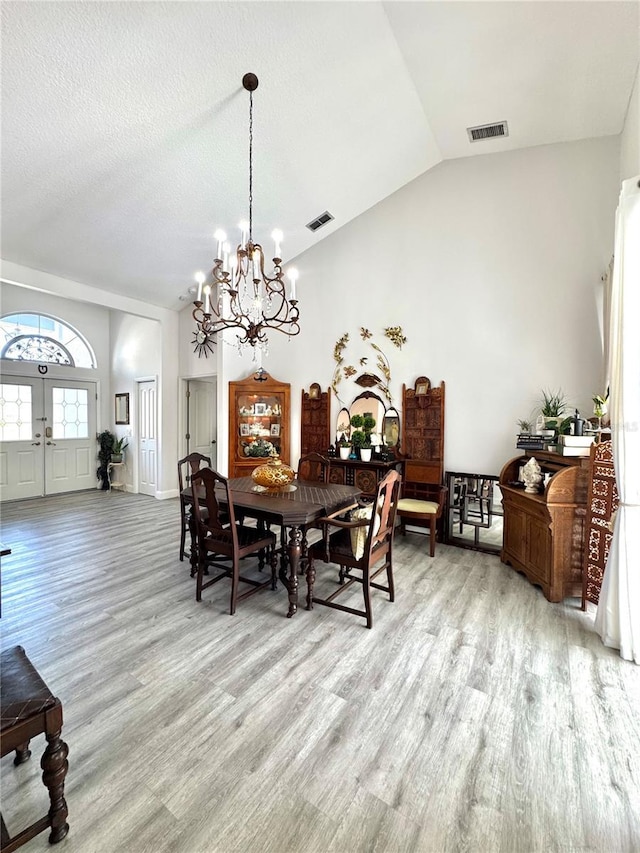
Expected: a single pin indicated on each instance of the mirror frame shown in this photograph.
(392, 414)
(343, 415)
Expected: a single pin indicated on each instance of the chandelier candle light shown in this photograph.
(240, 294)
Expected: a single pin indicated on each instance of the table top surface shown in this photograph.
(309, 501)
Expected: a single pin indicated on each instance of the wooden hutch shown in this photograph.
(544, 532)
(259, 416)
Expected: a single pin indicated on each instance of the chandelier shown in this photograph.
(239, 294)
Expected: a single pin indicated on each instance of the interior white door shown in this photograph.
(202, 420)
(147, 431)
(47, 435)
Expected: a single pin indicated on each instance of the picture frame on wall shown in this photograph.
(122, 409)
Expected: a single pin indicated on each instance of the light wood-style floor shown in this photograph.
(474, 716)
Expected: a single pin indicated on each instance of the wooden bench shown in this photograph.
(28, 708)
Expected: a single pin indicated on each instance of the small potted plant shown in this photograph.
(344, 446)
(553, 404)
(119, 446)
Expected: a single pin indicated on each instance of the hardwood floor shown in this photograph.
(474, 716)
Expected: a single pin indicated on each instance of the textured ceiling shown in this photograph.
(124, 125)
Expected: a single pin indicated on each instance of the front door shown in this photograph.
(47, 430)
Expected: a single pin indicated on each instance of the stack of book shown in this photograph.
(531, 441)
(575, 445)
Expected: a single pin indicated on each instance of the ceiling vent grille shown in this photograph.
(319, 221)
(488, 131)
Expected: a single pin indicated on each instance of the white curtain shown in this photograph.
(618, 616)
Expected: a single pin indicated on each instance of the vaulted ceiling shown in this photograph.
(125, 125)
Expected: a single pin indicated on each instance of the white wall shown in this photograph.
(630, 138)
(492, 267)
(136, 353)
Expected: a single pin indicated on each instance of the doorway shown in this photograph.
(200, 417)
(47, 430)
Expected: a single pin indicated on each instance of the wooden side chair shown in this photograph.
(358, 546)
(187, 467)
(223, 542)
(422, 505)
(314, 466)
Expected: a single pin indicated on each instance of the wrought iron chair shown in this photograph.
(358, 546)
(223, 542)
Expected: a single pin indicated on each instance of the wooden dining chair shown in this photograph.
(422, 505)
(358, 546)
(223, 542)
(187, 467)
(314, 467)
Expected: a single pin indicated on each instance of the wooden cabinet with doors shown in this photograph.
(259, 420)
(544, 531)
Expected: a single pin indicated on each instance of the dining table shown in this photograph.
(294, 508)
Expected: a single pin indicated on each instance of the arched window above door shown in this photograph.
(37, 337)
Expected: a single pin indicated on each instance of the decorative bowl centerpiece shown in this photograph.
(274, 475)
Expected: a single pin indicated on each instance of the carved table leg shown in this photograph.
(54, 770)
(294, 551)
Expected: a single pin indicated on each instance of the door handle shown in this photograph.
(35, 444)
(52, 443)
(213, 441)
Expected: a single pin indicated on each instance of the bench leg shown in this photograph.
(23, 753)
(54, 770)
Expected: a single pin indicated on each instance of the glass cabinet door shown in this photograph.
(259, 425)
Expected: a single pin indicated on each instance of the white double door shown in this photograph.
(47, 436)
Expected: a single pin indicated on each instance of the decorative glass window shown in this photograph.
(70, 413)
(15, 412)
(36, 337)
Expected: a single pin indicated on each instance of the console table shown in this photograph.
(544, 532)
(364, 475)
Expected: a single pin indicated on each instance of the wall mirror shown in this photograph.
(369, 403)
(122, 408)
(474, 513)
(343, 425)
(391, 427)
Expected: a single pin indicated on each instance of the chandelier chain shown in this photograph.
(251, 166)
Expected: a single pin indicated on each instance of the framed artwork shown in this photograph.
(259, 409)
(122, 408)
(314, 391)
(245, 429)
(423, 386)
(275, 430)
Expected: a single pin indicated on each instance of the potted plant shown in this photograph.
(368, 425)
(553, 404)
(106, 442)
(119, 446)
(344, 446)
(358, 439)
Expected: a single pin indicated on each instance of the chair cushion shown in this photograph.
(359, 534)
(411, 505)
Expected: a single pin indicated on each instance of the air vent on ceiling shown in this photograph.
(488, 131)
(319, 221)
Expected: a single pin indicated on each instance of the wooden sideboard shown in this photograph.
(364, 475)
(544, 532)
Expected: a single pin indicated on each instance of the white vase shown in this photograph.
(344, 452)
(365, 454)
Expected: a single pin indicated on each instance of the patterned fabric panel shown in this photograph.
(601, 504)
